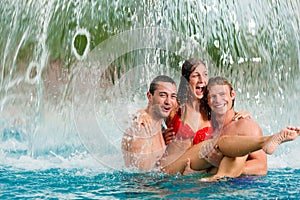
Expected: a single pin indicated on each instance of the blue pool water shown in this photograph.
(72, 71)
(79, 183)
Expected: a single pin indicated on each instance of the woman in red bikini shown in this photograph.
(190, 123)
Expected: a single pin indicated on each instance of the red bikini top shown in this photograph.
(184, 131)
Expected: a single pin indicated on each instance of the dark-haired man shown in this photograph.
(142, 148)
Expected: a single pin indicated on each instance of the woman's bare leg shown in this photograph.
(195, 162)
(233, 166)
(235, 146)
(229, 167)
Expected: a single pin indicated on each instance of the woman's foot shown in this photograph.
(287, 134)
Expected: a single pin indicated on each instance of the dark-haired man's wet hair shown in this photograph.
(160, 78)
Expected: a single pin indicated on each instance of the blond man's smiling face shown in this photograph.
(220, 99)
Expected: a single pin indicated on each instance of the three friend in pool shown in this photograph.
(203, 131)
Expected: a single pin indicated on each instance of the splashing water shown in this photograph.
(72, 72)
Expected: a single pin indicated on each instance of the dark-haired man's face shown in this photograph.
(163, 100)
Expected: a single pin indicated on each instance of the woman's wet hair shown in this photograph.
(184, 87)
(184, 90)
